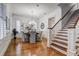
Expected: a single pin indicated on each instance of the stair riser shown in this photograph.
(62, 48)
(62, 35)
(60, 42)
(61, 38)
(63, 32)
(77, 47)
(77, 42)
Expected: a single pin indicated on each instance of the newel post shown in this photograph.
(49, 38)
(71, 51)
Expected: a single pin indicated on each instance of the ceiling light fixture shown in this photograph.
(37, 5)
(45, 13)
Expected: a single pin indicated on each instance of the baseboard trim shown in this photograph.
(4, 50)
(5, 46)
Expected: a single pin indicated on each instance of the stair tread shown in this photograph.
(58, 49)
(64, 32)
(77, 41)
(65, 29)
(61, 37)
(61, 40)
(77, 54)
(61, 34)
(77, 44)
(70, 24)
(65, 35)
(78, 38)
(60, 44)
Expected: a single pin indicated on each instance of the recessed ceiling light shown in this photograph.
(37, 5)
(45, 13)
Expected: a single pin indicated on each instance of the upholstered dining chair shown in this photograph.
(39, 36)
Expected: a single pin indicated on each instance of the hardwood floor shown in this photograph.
(19, 48)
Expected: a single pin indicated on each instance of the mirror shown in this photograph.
(42, 25)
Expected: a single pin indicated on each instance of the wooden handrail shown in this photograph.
(63, 16)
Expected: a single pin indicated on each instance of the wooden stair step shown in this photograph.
(61, 38)
(58, 48)
(60, 42)
(64, 35)
(71, 26)
(74, 20)
(63, 32)
(78, 38)
(77, 45)
(65, 27)
(77, 41)
(77, 52)
(72, 23)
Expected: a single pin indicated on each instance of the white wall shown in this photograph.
(4, 43)
(24, 20)
(55, 13)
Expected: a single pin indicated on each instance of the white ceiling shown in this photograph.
(31, 9)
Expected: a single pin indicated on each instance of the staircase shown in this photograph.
(77, 46)
(60, 41)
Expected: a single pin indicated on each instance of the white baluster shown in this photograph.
(71, 51)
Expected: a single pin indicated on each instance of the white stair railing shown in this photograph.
(73, 33)
(56, 27)
(71, 51)
(53, 31)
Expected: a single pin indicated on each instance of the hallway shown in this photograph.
(55, 24)
(26, 49)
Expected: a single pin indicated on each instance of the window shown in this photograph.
(18, 26)
(1, 28)
(2, 21)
